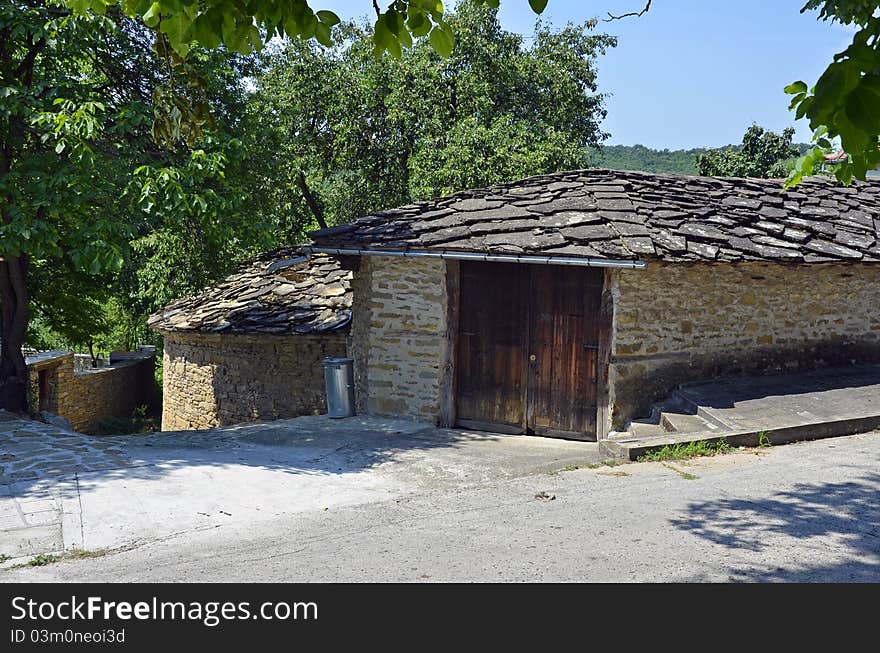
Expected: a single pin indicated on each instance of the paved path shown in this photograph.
(801, 512)
(62, 491)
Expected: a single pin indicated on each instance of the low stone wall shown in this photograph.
(86, 397)
(398, 336)
(215, 380)
(680, 323)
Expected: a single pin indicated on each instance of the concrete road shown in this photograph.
(802, 512)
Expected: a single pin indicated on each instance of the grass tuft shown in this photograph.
(685, 450)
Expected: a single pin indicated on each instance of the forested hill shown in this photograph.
(639, 157)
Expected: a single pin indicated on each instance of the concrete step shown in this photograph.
(645, 429)
(685, 423)
(625, 446)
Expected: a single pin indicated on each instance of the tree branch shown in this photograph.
(25, 69)
(637, 14)
(310, 199)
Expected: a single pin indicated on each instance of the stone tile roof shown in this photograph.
(311, 297)
(633, 215)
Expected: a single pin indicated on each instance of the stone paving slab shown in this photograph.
(32, 450)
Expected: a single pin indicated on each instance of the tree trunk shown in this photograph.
(14, 316)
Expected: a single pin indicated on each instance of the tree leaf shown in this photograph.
(441, 41)
(327, 17)
(537, 5)
(322, 34)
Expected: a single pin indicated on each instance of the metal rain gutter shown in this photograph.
(477, 256)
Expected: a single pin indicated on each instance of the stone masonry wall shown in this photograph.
(676, 323)
(85, 398)
(398, 336)
(215, 380)
(359, 335)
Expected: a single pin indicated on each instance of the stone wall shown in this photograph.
(399, 320)
(678, 323)
(86, 397)
(214, 380)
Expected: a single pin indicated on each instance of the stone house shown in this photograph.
(566, 304)
(251, 346)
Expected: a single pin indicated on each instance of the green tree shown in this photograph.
(337, 133)
(497, 109)
(763, 153)
(246, 26)
(61, 145)
(75, 122)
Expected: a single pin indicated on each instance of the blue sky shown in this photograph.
(689, 73)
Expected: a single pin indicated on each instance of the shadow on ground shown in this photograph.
(304, 446)
(843, 516)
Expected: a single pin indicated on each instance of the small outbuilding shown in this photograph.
(251, 347)
(566, 304)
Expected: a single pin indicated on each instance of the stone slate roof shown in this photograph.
(311, 297)
(634, 215)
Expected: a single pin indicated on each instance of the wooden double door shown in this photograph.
(528, 348)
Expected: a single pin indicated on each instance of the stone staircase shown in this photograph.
(744, 410)
(678, 419)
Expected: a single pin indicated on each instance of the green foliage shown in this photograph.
(55, 176)
(845, 101)
(370, 133)
(245, 26)
(763, 154)
(104, 245)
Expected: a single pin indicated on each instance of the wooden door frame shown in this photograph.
(449, 353)
(604, 397)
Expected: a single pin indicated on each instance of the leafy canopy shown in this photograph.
(245, 26)
(358, 133)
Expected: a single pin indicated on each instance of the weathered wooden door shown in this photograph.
(493, 322)
(528, 348)
(563, 350)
